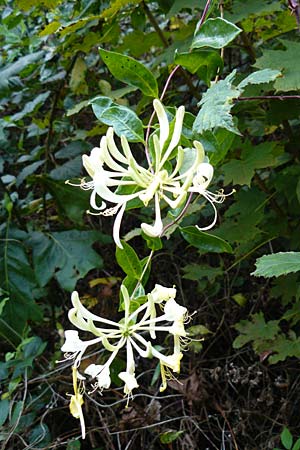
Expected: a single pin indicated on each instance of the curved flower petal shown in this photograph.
(154, 230)
(164, 127)
(102, 373)
(130, 382)
(173, 311)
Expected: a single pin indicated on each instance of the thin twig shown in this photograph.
(268, 97)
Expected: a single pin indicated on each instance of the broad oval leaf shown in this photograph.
(215, 33)
(4, 410)
(277, 264)
(204, 241)
(125, 123)
(130, 71)
(101, 104)
(129, 261)
(286, 438)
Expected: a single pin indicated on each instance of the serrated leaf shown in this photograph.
(66, 256)
(241, 171)
(215, 107)
(241, 10)
(215, 33)
(284, 347)
(285, 61)
(129, 261)
(205, 242)
(130, 71)
(256, 331)
(196, 272)
(277, 264)
(259, 77)
(286, 438)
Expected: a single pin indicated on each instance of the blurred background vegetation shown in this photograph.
(239, 386)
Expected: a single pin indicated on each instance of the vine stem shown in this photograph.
(268, 97)
(199, 24)
(169, 225)
(143, 273)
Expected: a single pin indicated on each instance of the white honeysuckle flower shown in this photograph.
(130, 382)
(130, 333)
(161, 293)
(201, 181)
(113, 170)
(101, 373)
(174, 311)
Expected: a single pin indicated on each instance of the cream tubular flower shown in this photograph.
(76, 402)
(130, 333)
(117, 178)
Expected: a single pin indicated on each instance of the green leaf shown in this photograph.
(38, 101)
(78, 83)
(257, 331)
(66, 256)
(196, 272)
(215, 33)
(8, 73)
(241, 171)
(100, 104)
(50, 28)
(241, 10)
(17, 279)
(4, 410)
(153, 243)
(205, 242)
(169, 436)
(65, 196)
(129, 261)
(125, 123)
(296, 446)
(285, 61)
(277, 264)
(208, 61)
(259, 77)
(286, 438)
(115, 6)
(284, 347)
(74, 445)
(216, 104)
(130, 71)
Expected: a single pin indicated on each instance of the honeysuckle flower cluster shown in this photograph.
(174, 172)
(136, 332)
